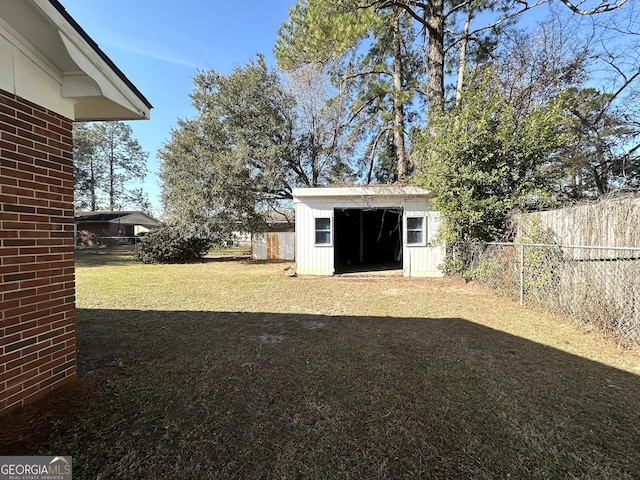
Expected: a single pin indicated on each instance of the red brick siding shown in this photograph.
(37, 284)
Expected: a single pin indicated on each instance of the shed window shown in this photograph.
(323, 231)
(416, 230)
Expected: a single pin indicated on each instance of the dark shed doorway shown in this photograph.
(367, 240)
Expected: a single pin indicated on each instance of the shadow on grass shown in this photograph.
(266, 395)
(124, 255)
(101, 256)
(223, 258)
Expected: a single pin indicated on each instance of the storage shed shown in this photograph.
(366, 228)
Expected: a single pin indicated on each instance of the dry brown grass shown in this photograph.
(234, 370)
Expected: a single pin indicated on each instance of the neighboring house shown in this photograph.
(277, 242)
(51, 74)
(93, 226)
(366, 228)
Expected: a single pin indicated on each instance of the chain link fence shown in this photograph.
(91, 241)
(598, 286)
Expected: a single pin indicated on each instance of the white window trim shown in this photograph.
(425, 224)
(315, 230)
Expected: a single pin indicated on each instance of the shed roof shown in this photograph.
(361, 191)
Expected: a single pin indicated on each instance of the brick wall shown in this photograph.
(37, 289)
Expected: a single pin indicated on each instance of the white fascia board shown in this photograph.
(26, 72)
(94, 78)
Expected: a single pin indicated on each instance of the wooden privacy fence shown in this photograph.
(610, 222)
(273, 246)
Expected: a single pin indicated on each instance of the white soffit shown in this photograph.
(45, 33)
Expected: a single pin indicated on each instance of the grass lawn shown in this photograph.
(230, 369)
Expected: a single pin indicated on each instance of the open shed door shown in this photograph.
(367, 239)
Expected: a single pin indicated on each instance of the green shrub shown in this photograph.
(173, 244)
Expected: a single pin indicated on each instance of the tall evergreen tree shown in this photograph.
(446, 24)
(106, 159)
(89, 173)
(122, 156)
(378, 66)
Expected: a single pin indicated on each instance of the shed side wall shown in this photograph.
(422, 261)
(37, 329)
(312, 259)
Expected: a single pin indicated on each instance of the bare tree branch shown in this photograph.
(364, 105)
(364, 74)
(374, 147)
(500, 21)
(602, 8)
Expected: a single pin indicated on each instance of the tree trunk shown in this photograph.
(435, 61)
(112, 188)
(600, 175)
(398, 106)
(462, 63)
(372, 156)
(92, 191)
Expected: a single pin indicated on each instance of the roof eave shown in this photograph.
(100, 90)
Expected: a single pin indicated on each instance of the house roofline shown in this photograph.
(94, 217)
(76, 26)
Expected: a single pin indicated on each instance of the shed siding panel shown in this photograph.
(259, 246)
(312, 259)
(287, 245)
(423, 261)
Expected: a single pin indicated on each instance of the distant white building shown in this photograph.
(366, 228)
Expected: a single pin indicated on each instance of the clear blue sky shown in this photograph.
(161, 44)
